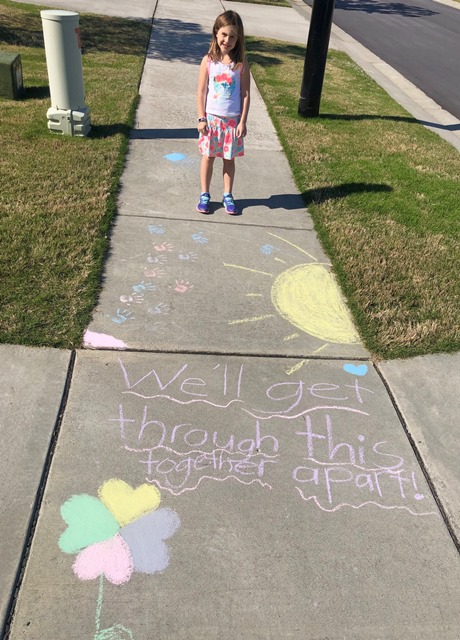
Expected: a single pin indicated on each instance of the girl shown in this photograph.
(223, 104)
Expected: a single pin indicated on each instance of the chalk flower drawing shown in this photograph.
(115, 534)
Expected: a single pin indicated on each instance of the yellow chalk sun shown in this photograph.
(307, 296)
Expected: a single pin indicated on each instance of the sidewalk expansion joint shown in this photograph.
(420, 460)
(4, 633)
(233, 354)
(147, 48)
(206, 220)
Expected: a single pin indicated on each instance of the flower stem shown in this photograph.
(99, 603)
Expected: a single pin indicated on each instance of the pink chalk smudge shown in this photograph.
(95, 340)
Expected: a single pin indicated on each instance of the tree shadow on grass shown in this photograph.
(335, 192)
(98, 33)
(409, 119)
(296, 201)
(264, 53)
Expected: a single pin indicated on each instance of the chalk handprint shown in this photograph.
(161, 307)
(150, 272)
(158, 229)
(164, 246)
(156, 259)
(144, 286)
(193, 257)
(200, 238)
(182, 286)
(122, 316)
(128, 300)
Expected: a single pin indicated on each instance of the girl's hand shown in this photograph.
(241, 130)
(203, 128)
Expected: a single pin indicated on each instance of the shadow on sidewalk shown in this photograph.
(388, 8)
(176, 40)
(164, 134)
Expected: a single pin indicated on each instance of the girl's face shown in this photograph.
(227, 38)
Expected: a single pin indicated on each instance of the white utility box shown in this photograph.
(68, 113)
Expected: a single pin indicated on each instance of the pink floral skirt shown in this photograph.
(221, 140)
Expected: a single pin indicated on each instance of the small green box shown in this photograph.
(11, 84)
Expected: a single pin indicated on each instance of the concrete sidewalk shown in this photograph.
(307, 492)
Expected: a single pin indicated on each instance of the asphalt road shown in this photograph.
(419, 39)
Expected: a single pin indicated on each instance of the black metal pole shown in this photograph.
(315, 57)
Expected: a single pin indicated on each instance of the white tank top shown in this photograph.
(224, 89)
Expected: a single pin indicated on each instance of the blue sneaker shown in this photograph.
(229, 204)
(203, 205)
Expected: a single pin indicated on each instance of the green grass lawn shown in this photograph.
(58, 193)
(383, 193)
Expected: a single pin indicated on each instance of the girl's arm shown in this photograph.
(245, 99)
(202, 94)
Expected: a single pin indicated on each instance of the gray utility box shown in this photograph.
(11, 84)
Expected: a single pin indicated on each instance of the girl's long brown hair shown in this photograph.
(228, 19)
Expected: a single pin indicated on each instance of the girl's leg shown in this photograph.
(207, 165)
(229, 175)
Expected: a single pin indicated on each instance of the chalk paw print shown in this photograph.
(122, 316)
(181, 286)
(156, 259)
(160, 308)
(164, 246)
(191, 256)
(150, 272)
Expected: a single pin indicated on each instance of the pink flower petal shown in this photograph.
(111, 558)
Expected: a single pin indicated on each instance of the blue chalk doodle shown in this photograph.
(158, 229)
(175, 157)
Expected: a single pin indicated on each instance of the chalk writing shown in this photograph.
(317, 436)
